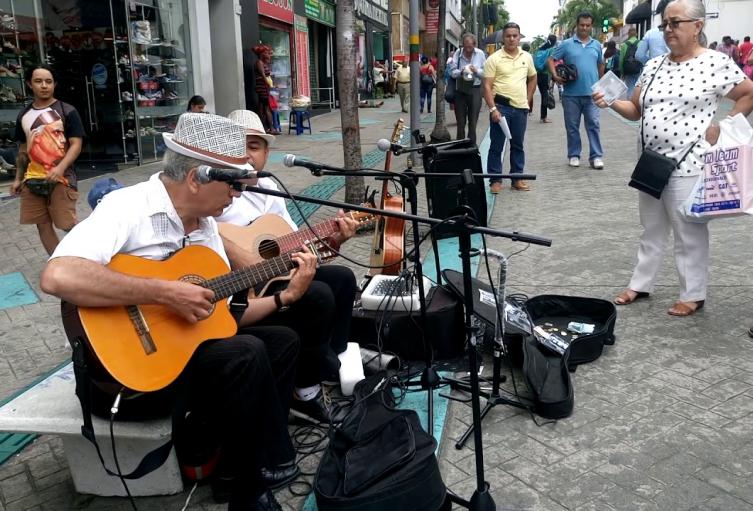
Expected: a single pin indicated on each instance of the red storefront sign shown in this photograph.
(303, 80)
(278, 9)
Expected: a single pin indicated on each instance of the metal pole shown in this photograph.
(415, 78)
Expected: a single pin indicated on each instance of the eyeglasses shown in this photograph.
(674, 24)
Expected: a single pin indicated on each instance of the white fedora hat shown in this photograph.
(251, 123)
(210, 138)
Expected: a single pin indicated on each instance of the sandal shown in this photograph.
(683, 309)
(624, 298)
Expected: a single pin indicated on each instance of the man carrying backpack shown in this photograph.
(630, 66)
(542, 73)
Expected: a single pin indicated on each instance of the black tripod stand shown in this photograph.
(464, 224)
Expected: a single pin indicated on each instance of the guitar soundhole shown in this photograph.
(199, 281)
(269, 249)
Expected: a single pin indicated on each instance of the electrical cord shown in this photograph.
(113, 412)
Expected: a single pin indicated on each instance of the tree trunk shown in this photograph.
(348, 92)
(440, 133)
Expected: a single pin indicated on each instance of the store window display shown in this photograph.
(278, 41)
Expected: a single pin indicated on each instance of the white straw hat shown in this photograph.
(210, 138)
(251, 123)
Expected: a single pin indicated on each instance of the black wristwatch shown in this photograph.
(281, 307)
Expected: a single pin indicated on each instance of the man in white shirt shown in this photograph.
(240, 385)
(321, 316)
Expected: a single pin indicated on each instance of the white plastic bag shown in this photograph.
(725, 187)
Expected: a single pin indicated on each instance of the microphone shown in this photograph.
(385, 145)
(205, 174)
(291, 160)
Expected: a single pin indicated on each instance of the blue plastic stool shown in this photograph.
(300, 120)
(276, 121)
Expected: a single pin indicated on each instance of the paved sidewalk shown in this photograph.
(662, 420)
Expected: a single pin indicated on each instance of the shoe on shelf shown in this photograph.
(495, 188)
(597, 163)
(521, 186)
(574, 162)
(313, 410)
(281, 475)
(5, 165)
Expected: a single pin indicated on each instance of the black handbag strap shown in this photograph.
(151, 461)
(643, 109)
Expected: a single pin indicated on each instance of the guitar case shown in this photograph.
(556, 311)
(548, 378)
(379, 457)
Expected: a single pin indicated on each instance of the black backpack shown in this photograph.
(631, 65)
(379, 458)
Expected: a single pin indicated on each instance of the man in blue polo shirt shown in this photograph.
(584, 53)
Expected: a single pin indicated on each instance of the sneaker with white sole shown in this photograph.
(574, 162)
(597, 163)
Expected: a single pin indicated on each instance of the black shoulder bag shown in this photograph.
(652, 172)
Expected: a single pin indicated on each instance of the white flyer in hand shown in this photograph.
(505, 128)
(611, 86)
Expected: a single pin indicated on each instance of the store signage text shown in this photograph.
(320, 10)
(278, 9)
(371, 11)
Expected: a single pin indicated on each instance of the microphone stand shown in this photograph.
(464, 226)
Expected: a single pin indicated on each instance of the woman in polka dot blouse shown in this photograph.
(675, 99)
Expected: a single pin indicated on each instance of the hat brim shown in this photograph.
(266, 136)
(187, 151)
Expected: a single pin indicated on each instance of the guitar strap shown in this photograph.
(157, 457)
(152, 461)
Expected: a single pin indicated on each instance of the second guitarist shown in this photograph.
(321, 317)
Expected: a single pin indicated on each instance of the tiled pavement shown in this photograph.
(662, 420)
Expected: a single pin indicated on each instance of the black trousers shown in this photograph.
(321, 318)
(467, 108)
(243, 386)
(543, 83)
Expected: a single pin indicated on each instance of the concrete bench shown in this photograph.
(51, 407)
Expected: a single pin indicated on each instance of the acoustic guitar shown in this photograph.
(388, 244)
(145, 347)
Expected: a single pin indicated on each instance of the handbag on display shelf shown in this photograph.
(725, 187)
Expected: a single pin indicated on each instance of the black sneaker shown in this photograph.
(313, 410)
(281, 475)
(267, 502)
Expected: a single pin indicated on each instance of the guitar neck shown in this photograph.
(294, 240)
(226, 285)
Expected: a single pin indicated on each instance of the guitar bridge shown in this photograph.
(142, 329)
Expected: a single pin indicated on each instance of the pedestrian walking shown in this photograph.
(684, 136)
(402, 77)
(50, 134)
(467, 69)
(584, 53)
(542, 73)
(428, 81)
(509, 85)
(653, 45)
(630, 66)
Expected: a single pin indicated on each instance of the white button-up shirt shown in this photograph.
(139, 220)
(250, 206)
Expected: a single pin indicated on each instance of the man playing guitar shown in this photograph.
(241, 384)
(321, 316)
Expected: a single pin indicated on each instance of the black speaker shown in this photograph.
(443, 193)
